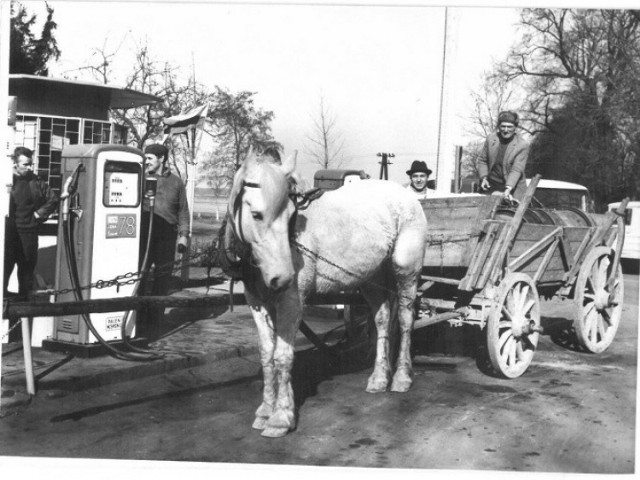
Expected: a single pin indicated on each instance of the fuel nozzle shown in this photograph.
(68, 189)
(150, 187)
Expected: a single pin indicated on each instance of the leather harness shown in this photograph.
(233, 250)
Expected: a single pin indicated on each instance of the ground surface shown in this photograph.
(570, 412)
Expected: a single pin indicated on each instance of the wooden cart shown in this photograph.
(487, 265)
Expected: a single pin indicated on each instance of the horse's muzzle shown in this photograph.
(278, 283)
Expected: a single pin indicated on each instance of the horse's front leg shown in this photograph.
(266, 342)
(288, 317)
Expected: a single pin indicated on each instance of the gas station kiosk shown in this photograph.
(98, 238)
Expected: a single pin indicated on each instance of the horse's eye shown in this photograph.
(257, 216)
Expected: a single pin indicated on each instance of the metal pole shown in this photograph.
(458, 170)
(28, 359)
(190, 187)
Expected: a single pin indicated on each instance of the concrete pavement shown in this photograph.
(189, 337)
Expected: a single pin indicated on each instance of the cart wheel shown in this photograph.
(598, 308)
(513, 325)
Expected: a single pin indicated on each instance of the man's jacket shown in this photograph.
(171, 202)
(31, 194)
(513, 165)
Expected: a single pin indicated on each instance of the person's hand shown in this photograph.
(38, 218)
(484, 184)
(182, 244)
(508, 197)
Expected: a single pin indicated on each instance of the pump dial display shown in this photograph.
(122, 184)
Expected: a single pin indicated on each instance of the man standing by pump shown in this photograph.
(170, 227)
(30, 204)
(503, 159)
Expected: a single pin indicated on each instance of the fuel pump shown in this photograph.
(98, 238)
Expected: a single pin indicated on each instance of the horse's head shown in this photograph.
(261, 210)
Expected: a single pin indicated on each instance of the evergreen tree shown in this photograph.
(28, 54)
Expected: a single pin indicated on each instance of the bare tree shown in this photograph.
(234, 123)
(580, 71)
(327, 145)
(494, 95)
(152, 76)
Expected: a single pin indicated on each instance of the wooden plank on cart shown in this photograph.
(454, 227)
(481, 254)
(597, 239)
(532, 248)
(492, 270)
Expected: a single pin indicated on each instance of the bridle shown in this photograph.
(234, 248)
(237, 211)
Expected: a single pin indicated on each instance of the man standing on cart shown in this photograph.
(503, 159)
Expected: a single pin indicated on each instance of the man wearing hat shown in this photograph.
(419, 175)
(503, 159)
(170, 226)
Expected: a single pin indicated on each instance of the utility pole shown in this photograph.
(384, 172)
(445, 153)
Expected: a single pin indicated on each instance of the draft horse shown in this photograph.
(355, 237)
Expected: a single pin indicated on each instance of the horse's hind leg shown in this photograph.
(406, 296)
(406, 263)
(377, 298)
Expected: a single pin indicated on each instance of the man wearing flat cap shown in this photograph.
(170, 226)
(419, 175)
(503, 159)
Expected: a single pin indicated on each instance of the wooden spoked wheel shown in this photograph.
(513, 325)
(598, 302)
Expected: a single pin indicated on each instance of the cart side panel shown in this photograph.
(453, 226)
(530, 234)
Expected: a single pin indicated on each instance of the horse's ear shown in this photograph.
(289, 165)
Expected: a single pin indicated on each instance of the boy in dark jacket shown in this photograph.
(30, 204)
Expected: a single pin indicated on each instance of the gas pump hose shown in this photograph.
(75, 281)
(75, 278)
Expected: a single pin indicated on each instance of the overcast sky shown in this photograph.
(378, 67)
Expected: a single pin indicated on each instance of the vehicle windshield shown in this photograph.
(559, 198)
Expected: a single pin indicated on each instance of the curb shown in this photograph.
(170, 363)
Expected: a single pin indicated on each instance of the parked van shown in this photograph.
(558, 195)
(551, 194)
(631, 247)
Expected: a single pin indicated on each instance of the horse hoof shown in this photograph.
(401, 386)
(275, 432)
(376, 387)
(378, 383)
(401, 381)
(260, 423)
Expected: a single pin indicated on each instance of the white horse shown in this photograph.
(350, 238)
